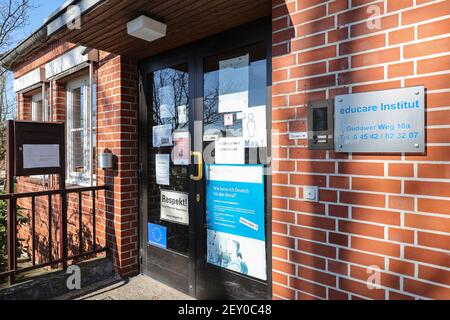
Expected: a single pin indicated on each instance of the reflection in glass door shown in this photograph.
(207, 101)
(235, 144)
(169, 155)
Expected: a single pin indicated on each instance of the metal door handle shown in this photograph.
(199, 177)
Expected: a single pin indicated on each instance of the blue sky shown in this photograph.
(37, 15)
(43, 8)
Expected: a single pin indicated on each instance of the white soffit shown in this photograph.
(70, 17)
(65, 62)
(146, 28)
(29, 79)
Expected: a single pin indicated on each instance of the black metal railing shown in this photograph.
(63, 258)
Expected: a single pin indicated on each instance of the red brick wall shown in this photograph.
(391, 211)
(117, 112)
(116, 223)
(26, 184)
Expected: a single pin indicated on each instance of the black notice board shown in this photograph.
(32, 138)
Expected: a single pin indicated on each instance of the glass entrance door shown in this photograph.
(204, 145)
(166, 198)
(233, 251)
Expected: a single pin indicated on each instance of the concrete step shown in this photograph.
(51, 284)
(140, 287)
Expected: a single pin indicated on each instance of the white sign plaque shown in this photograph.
(175, 206)
(40, 156)
(298, 135)
(388, 121)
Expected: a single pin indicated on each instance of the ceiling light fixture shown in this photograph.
(146, 28)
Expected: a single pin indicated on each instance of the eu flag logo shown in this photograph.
(157, 235)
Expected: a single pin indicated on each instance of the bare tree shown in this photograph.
(13, 17)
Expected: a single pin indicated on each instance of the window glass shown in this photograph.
(37, 108)
(170, 108)
(38, 115)
(79, 119)
(235, 152)
(254, 67)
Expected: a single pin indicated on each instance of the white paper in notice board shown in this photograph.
(40, 156)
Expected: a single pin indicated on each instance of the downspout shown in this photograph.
(50, 115)
(18, 107)
(44, 101)
(91, 135)
(47, 178)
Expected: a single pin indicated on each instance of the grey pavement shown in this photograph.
(136, 288)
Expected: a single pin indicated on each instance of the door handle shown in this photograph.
(199, 156)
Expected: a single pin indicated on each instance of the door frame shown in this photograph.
(186, 263)
(194, 54)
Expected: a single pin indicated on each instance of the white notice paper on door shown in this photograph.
(162, 167)
(162, 135)
(254, 127)
(233, 84)
(167, 102)
(230, 150)
(40, 156)
(182, 114)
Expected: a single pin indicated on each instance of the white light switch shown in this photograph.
(311, 194)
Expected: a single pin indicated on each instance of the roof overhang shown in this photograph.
(57, 21)
(103, 24)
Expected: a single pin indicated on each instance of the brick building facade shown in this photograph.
(384, 211)
(116, 80)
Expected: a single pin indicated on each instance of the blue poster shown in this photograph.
(235, 220)
(157, 235)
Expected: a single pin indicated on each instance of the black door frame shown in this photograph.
(182, 276)
(193, 55)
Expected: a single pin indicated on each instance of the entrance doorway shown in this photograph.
(205, 120)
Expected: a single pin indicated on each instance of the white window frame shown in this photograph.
(74, 177)
(34, 99)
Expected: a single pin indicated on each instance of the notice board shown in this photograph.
(39, 148)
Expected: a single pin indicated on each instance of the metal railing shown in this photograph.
(63, 258)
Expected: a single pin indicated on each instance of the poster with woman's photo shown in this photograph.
(235, 218)
(240, 254)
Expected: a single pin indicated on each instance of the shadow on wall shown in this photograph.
(42, 238)
(336, 264)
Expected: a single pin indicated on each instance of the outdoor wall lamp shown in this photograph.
(146, 28)
(105, 160)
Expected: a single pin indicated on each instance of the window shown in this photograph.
(39, 114)
(38, 110)
(81, 117)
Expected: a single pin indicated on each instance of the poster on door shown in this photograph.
(162, 135)
(235, 217)
(162, 169)
(166, 102)
(181, 148)
(230, 150)
(175, 206)
(233, 84)
(254, 127)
